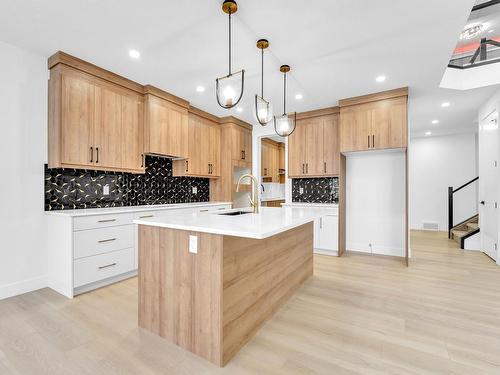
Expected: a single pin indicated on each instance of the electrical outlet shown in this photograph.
(195, 190)
(301, 190)
(193, 244)
(105, 190)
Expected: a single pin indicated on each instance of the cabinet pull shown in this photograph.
(373, 141)
(187, 165)
(307, 168)
(97, 157)
(204, 210)
(303, 168)
(146, 216)
(142, 160)
(108, 240)
(91, 154)
(368, 141)
(321, 222)
(106, 221)
(324, 167)
(107, 266)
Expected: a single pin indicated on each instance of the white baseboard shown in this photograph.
(380, 250)
(21, 287)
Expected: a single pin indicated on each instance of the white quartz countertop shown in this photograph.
(268, 199)
(120, 210)
(268, 222)
(305, 204)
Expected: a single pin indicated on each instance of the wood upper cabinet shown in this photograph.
(374, 125)
(241, 144)
(93, 123)
(270, 161)
(166, 127)
(313, 148)
(204, 140)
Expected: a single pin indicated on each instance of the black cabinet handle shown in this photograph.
(97, 158)
(373, 141)
(324, 167)
(91, 154)
(303, 168)
(307, 168)
(187, 165)
(368, 141)
(142, 161)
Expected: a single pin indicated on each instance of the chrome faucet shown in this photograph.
(254, 200)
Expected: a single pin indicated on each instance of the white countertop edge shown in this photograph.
(267, 199)
(225, 232)
(305, 204)
(130, 209)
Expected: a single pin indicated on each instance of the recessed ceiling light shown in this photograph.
(200, 88)
(380, 79)
(299, 96)
(445, 104)
(239, 109)
(133, 53)
(435, 122)
(428, 133)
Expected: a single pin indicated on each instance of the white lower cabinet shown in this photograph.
(328, 233)
(89, 251)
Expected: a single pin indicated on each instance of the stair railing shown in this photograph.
(452, 191)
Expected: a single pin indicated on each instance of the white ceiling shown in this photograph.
(335, 48)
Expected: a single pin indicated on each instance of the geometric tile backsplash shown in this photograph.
(79, 188)
(316, 190)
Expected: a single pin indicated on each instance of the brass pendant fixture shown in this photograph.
(263, 109)
(284, 125)
(229, 89)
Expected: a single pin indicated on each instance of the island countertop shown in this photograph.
(268, 222)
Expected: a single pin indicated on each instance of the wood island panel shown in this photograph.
(213, 302)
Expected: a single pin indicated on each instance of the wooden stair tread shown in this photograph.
(473, 226)
(459, 233)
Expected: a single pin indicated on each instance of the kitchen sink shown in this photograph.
(234, 213)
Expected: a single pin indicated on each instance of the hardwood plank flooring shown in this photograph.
(358, 314)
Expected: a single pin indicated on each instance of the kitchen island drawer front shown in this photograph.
(101, 221)
(100, 267)
(102, 240)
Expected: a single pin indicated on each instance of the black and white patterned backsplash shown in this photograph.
(78, 188)
(316, 190)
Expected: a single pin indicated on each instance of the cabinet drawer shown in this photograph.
(102, 240)
(100, 267)
(214, 208)
(101, 221)
(146, 214)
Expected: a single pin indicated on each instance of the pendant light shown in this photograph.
(263, 109)
(229, 89)
(284, 125)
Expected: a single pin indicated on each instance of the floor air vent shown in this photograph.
(431, 225)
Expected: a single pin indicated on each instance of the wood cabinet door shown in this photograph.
(215, 149)
(380, 124)
(314, 146)
(193, 165)
(132, 133)
(355, 128)
(167, 128)
(281, 157)
(276, 164)
(264, 162)
(78, 110)
(248, 146)
(331, 152)
(236, 144)
(297, 150)
(108, 128)
(398, 120)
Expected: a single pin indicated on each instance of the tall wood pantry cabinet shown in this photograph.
(313, 148)
(94, 123)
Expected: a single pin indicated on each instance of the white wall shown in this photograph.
(435, 164)
(23, 119)
(375, 202)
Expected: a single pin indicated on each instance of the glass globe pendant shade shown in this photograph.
(229, 89)
(284, 125)
(263, 110)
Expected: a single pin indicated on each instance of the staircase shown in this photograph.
(464, 230)
(467, 228)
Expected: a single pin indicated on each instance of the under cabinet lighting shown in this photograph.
(133, 53)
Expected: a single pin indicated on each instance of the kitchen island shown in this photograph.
(208, 281)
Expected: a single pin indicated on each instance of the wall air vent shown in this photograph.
(430, 225)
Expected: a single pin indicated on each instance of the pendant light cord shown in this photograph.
(284, 93)
(262, 75)
(229, 42)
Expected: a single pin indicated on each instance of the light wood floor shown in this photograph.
(358, 315)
